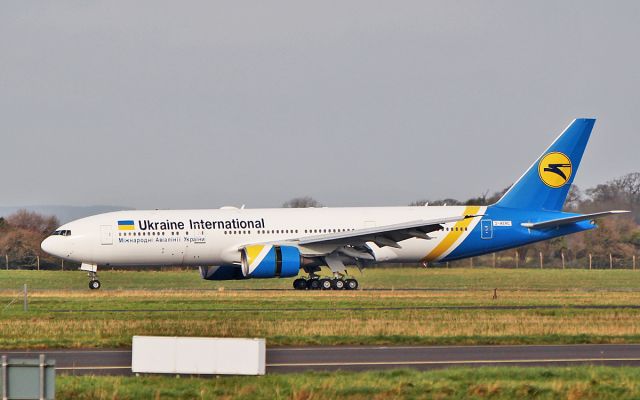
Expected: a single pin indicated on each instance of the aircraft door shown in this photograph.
(106, 234)
(486, 229)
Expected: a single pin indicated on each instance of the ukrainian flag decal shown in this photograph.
(126, 225)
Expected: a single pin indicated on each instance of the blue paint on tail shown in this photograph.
(531, 192)
(537, 196)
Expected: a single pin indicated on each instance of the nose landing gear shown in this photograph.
(94, 284)
(92, 269)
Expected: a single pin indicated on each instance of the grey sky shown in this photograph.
(187, 104)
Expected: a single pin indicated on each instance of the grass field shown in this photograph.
(64, 314)
(457, 383)
(439, 278)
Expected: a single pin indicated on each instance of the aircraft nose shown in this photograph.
(46, 245)
(52, 245)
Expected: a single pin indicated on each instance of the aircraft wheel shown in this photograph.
(314, 284)
(94, 284)
(338, 284)
(351, 284)
(300, 284)
(325, 284)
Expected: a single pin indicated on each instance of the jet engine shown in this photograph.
(222, 273)
(269, 261)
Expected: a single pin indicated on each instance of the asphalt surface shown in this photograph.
(361, 358)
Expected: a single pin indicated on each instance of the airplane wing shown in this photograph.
(570, 220)
(386, 235)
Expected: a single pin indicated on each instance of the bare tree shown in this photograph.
(448, 202)
(622, 193)
(419, 203)
(301, 202)
(574, 198)
(32, 221)
(629, 187)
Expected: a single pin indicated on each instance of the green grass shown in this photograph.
(400, 277)
(583, 382)
(152, 303)
(326, 318)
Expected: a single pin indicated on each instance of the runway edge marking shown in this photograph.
(559, 360)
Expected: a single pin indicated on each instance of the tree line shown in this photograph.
(21, 234)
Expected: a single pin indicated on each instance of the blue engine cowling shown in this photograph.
(222, 273)
(269, 261)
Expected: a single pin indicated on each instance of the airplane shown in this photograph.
(237, 243)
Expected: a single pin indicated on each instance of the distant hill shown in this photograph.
(64, 213)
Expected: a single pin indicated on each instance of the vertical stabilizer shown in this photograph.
(546, 183)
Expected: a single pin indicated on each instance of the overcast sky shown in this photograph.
(188, 104)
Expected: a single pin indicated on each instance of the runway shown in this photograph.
(361, 358)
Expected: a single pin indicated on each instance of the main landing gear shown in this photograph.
(316, 283)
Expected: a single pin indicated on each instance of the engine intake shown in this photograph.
(269, 261)
(221, 273)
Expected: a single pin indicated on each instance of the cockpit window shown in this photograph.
(63, 232)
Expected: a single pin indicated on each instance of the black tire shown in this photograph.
(338, 284)
(314, 284)
(351, 284)
(326, 284)
(94, 284)
(300, 284)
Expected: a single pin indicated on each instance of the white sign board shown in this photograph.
(195, 355)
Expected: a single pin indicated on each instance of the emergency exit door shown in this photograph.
(486, 229)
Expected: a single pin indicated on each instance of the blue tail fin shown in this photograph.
(546, 183)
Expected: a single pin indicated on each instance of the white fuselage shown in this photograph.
(214, 237)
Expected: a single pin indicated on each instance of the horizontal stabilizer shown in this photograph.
(570, 220)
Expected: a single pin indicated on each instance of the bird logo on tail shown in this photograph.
(555, 169)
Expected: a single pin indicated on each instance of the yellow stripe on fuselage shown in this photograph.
(452, 236)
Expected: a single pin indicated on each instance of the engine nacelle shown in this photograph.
(222, 273)
(269, 261)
